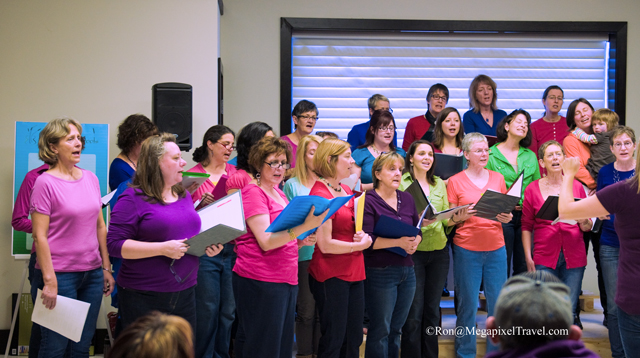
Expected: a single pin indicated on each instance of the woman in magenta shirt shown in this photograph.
(265, 277)
(556, 248)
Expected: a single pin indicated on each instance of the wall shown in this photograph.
(96, 61)
(250, 43)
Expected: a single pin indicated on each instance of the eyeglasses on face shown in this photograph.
(387, 129)
(315, 118)
(481, 151)
(276, 165)
(435, 97)
(626, 144)
(227, 145)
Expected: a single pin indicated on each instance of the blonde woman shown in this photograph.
(307, 323)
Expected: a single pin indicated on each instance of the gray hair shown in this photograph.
(472, 138)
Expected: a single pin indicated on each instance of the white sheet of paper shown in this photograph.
(66, 318)
(227, 210)
(107, 198)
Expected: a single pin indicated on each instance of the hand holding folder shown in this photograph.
(195, 179)
(424, 206)
(391, 228)
(493, 203)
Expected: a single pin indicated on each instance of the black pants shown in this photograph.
(594, 238)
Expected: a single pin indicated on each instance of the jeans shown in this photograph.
(35, 278)
(307, 318)
(266, 317)
(136, 303)
(470, 268)
(215, 304)
(389, 292)
(629, 332)
(570, 277)
(431, 268)
(609, 266)
(341, 308)
(84, 286)
(513, 242)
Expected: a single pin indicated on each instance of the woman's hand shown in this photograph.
(531, 266)
(585, 225)
(570, 166)
(312, 221)
(193, 187)
(175, 249)
(407, 243)
(109, 283)
(504, 217)
(207, 198)
(213, 250)
(463, 214)
(50, 294)
(361, 241)
(308, 241)
(416, 242)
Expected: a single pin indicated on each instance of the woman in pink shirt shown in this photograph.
(557, 248)
(552, 126)
(265, 277)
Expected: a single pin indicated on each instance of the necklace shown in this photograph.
(131, 161)
(616, 174)
(337, 190)
(375, 150)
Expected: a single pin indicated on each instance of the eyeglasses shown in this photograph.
(387, 129)
(481, 151)
(315, 118)
(276, 165)
(227, 145)
(438, 98)
(177, 277)
(619, 145)
(553, 98)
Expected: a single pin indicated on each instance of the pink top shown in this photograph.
(73, 208)
(208, 186)
(279, 265)
(543, 131)
(476, 234)
(549, 239)
(237, 180)
(20, 218)
(294, 149)
(573, 147)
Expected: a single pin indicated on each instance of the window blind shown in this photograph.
(339, 72)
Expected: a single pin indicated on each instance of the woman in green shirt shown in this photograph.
(510, 157)
(431, 260)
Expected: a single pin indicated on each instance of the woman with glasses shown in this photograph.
(214, 293)
(484, 115)
(305, 116)
(479, 254)
(558, 247)
(509, 157)
(379, 139)
(552, 126)
(247, 137)
(307, 321)
(265, 277)
(422, 126)
(623, 146)
(148, 227)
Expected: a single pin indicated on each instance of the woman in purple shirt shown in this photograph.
(149, 225)
(391, 280)
(620, 199)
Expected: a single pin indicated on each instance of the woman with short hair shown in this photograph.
(69, 233)
(484, 115)
(552, 126)
(265, 277)
(305, 117)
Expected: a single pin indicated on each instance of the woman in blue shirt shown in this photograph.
(379, 139)
(484, 115)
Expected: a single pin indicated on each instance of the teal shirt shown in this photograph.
(526, 160)
(364, 159)
(433, 236)
(293, 188)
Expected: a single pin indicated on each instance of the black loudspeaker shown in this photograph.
(172, 111)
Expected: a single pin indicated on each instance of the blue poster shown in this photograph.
(95, 158)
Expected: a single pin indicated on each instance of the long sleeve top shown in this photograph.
(474, 122)
(573, 147)
(526, 160)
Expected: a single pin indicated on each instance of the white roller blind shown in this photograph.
(340, 72)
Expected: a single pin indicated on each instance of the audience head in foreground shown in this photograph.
(533, 317)
(156, 335)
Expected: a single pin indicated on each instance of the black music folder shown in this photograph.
(493, 203)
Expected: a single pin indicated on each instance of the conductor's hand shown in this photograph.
(570, 166)
(175, 249)
(213, 250)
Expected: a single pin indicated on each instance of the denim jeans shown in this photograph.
(341, 308)
(389, 292)
(215, 304)
(266, 317)
(609, 266)
(35, 277)
(513, 243)
(629, 332)
(137, 303)
(470, 268)
(307, 318)
(570, 277)
(431, 268)
(85, 286)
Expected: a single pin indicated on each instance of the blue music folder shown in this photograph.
(297, 210)
(394, 229)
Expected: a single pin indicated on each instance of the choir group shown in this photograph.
(344, 278)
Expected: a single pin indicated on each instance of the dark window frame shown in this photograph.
(616, 31)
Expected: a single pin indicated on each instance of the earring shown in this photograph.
(258, 178)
